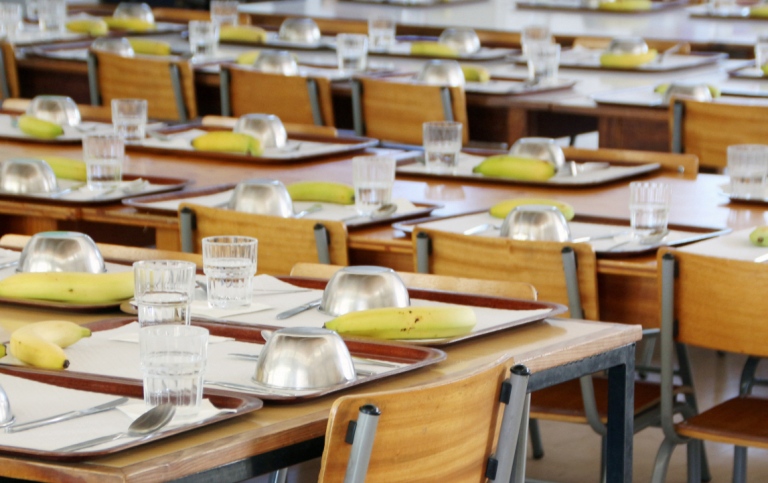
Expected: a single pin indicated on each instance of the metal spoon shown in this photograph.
(6, 416)
(297, 310)
(146, 424)
(312, 209)
(382, 212)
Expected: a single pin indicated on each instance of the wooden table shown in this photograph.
(278, 435)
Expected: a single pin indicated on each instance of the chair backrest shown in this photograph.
(493, 288)
(9, 75)
(686, 164)
(396, 110)
(295, 99)
(167, 83)
(542, 264)
(283, 242)
(706, 129)
(443, 431)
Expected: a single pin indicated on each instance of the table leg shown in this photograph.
(620, 419)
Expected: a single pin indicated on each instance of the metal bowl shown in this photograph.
(137, 10)
(697, 92)
(22, 175)
(276, 62)
(536, 223)
(627, 45)
(304, 358)
(462, 40)
(267, 128)
(262, 196)
(363, 287)
(442, 72)
(61, 251)
(118, 45)
(299, 30)
(61, 110)
(545, 149)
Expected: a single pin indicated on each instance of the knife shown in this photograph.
(66, 416)
(298, 310)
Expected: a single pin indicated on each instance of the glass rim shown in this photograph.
(175, 331)
(229, 240)
(164, 264)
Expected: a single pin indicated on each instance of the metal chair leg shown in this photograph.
(536, 445)
(278, 476)
(662, 461)
(694, 461)
(740, 464)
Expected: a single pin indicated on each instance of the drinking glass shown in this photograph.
(229, 263)
(51, 15)
(203, 39)
(352, 51)
(372, 178)
(649, 211)
(129, 118)
(747, 170)
(761, 51)
(163, 290)
(381, 32)
(173, 360)
(442, 145)
(543, 62)
(10, 19)
(103, 155)
(224, 12)
(532, 34)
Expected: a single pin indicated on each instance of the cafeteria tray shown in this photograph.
(517, 87)
(582, 58)
(747, 72)
(647, 97)
(611, 236)
(593, 174)
(111, 355)
(72, 134)
(402, 48)
(734, 12)
(300, 147)
(230, 403)
(215, 196)
(584, 6)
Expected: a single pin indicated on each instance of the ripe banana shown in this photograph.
(243, 33)
(39, 128)
(248, 58)
(502, 208)
(625, 5)
(129, 24)
(90, 26)
(228, 142)
(475, 73)
(66, 168)
(662, 89)
(432, 49)
(406, 323)
(626, 61)
(73, 287)
(760, 10)
(759, 236)
(150, 47)
(40, 344)
(512, 167)
(326, 191)
(2, 351)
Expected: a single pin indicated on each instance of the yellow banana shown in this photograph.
(428, 322)
(502, 208)
(150, 47)
(41, 344)
(625, 5)
(39, 128)
(243, 33)
(90, 26)
(326, 191)
(228, 142)
(475, 73)
(129, 24)
(248, 58)
(66, 168)
(432, 49)
(2, 350)
(512, 167)
(73, 287)
(760, 10)
(626, 61)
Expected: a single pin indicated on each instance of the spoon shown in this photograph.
(382, 212)
(312, 209)
(144, 425)
(6, 416)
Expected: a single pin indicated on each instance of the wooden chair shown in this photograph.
(294, 99)
(442, 431)
(717, 304)
(396, 110)
(706, 129)
(283, 242)
(9, 74)
(167, 83)
(291, 128)
(494, 288)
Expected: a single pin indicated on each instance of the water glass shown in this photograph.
(747, 170)
(372, 178)
(163, 290)
(30, 7)
(103, 155)
(173, 360)
(10, 19)
(442, 145)
(51, 15)
(649, 211)
(532, 34)
(381, 32)
(203, 40)
(229, 263)
(543, 62)
(224, 12)
(129, 118)
(761, 51)
(352, 51)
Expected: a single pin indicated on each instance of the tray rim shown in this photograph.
(707, 58)
(120, 386)
(566, 84)
(656, 6)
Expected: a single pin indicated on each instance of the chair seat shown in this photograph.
(563, 402)
(740, 421)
